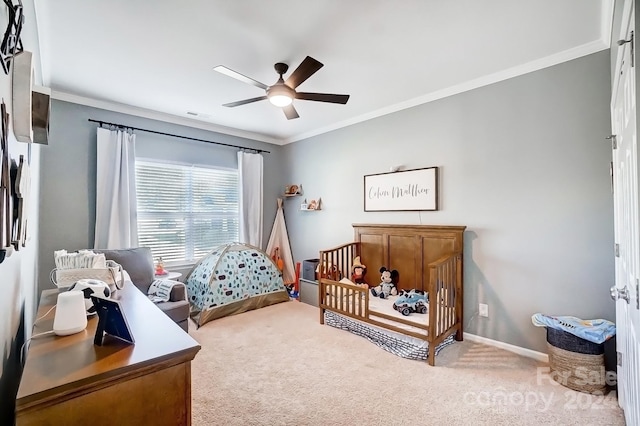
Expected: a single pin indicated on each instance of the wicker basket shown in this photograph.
(575, 362)
(112, 275)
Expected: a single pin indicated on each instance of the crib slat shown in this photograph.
(450, 293)
(452, 286)
(332, 295)
(439, 300)
(446, 296)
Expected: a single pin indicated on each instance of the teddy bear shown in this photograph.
(387, 286)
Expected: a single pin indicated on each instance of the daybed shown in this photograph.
(428, 258)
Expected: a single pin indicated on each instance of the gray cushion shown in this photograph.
(177, 311)
(138, 262)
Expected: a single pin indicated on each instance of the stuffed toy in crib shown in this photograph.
(387, 286)
(410, 301)
(358, 271)
(329, 271)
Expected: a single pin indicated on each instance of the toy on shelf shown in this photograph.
(311, 205)
(292, 190)
(160, 267)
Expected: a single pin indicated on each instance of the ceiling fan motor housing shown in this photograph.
(281, 68)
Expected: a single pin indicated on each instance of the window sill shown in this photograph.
(178, 265)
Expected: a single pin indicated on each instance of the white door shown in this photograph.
(627, 231)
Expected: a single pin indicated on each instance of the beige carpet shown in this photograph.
(279, 366)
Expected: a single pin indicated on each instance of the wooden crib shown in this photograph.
(428, 258)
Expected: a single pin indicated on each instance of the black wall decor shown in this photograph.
(11, 42)
(6, 209)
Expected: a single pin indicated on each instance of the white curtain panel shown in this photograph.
(116, 224)
(279, 239)
(250, 174)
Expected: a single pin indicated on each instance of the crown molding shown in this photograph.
(161, 116)
(586, 49)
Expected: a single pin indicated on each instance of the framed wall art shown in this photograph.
(407, 190)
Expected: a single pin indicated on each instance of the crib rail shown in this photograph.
(445, 305)
(343, 298)
(353, 301)
(336, 263)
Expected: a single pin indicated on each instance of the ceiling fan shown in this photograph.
(282, 93)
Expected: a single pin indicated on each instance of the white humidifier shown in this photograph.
(71, 314)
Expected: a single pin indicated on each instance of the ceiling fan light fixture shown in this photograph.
(280, 100)
(280, 95)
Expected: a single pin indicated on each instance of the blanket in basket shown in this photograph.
(596, 331)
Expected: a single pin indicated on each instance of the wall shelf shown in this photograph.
(312, 206)
(292, 190)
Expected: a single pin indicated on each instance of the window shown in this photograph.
(185, 211)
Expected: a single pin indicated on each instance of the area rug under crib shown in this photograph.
(396, 343)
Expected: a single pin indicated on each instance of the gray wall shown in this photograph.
(524, 165)
(18, 278)
(69, 169)
(18, 274)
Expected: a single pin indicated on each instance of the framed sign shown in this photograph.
(408, 190)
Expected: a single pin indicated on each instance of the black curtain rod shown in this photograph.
(101, 123)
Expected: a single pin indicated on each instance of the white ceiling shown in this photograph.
(156, 58)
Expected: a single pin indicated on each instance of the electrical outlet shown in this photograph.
(483, 310)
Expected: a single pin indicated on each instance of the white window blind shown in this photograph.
(185, 211)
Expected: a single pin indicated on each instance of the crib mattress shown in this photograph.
(385, 306)
(396, 343)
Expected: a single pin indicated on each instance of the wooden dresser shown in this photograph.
(69, 380)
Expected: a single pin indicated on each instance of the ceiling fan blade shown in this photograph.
(323, 97)
(245, 101)
(290, 112)
(306, 69)
(231, 73)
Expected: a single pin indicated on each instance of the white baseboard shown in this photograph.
(538, 356)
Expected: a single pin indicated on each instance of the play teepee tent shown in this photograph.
(231, 279)
(279, 247)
